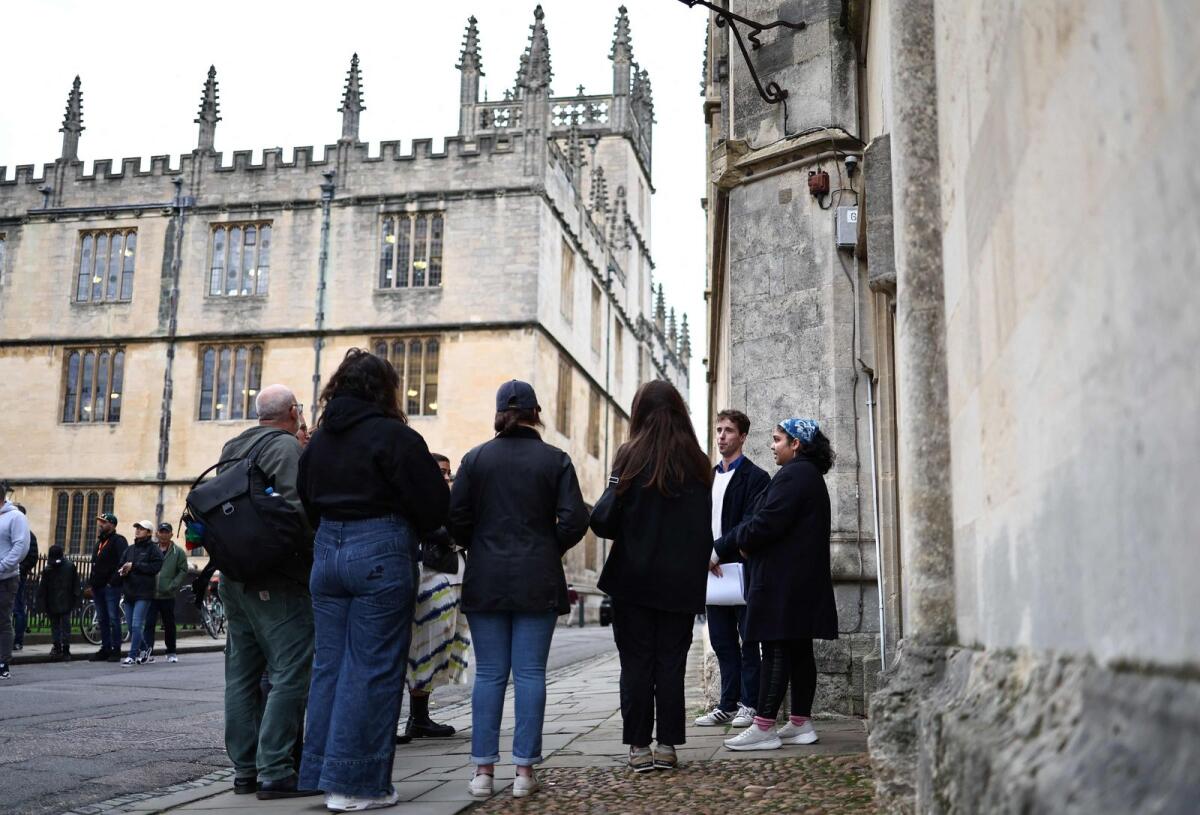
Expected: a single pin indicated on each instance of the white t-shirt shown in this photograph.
(720, 484)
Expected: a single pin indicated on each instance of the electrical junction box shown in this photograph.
(847, 227)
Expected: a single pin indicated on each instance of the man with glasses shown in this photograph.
(269, 623)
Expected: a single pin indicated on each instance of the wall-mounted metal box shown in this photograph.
(847, 227)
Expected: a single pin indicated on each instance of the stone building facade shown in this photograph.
(143, 307)
(1008, 348)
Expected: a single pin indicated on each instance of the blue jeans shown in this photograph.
(20, 615)
(504, 641)
(364, 582)
(138, 609)
(108, 616)
(738, 660)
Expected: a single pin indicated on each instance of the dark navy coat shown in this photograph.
(786, 540)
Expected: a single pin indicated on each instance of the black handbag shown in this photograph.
(437, 553)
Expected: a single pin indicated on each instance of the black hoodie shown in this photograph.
(363, 464)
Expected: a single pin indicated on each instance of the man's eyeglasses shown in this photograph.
(299, 407)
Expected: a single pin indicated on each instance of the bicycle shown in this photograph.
(90, 628)
(212, 615)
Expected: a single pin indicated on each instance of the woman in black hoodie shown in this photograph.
(371, 488)
(658, 512)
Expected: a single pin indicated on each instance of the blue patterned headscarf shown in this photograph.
(803, 429)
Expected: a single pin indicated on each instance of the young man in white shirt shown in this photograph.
(737, 484)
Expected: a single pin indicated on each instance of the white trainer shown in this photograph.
(744, 717)
(172, 658)
(804, 734)
(525, 785)
(336, 802)
(127, 662)
(482, 786)
(754, 738)
(714, 718)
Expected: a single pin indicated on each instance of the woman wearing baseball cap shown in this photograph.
(516, 507)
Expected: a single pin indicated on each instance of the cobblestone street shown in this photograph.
(585, 771)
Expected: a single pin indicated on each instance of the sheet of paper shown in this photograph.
(726, 590)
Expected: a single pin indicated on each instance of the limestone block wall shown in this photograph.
(1070, 326)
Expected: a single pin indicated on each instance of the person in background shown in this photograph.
(269, 623)
(20, 609)
(14, 543)
(106, 587)
(657, 511)
(790, 602)
(737, 484)
(441, 638)
(170, 579)
(302, 434)
(369, 480)
(58, 594)
(139, 572)
(516, 508)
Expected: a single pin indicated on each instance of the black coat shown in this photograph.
(516, 507)
(362, 464)
(745, 486)
(790, 587)
(59, 589)
(106, 557)
(661, 545)
(147, 560)
(29, 562)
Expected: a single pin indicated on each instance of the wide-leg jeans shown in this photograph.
(363, 584)
(108, 616)
(516, 642)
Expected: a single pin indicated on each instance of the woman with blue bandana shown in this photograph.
(789, 600)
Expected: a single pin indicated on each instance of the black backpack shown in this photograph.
(246, 527)
(29, 562)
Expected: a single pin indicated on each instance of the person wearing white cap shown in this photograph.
(139, 568)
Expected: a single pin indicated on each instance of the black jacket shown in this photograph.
(790, 587)
(106, 558)
(147, 560)
(745, 486)
(362, 464)
(59, 589)
(517, 508)
(661, 545)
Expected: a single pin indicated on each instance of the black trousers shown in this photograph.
(60, 629)
(784, 662)
(165, 607)
(653, 647)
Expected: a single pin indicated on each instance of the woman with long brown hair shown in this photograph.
(374, 487)
(657, 510)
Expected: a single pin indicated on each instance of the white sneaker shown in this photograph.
(335, 802)
(525, 785)
(145, 658)
(754, 738)
(714, 718)
(482, 786)
(744, 717)
(127, 662)
(804, 734)
(172, 658)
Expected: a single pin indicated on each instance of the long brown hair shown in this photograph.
(367, 377)
(662, 442)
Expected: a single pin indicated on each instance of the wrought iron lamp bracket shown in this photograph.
(771, 93)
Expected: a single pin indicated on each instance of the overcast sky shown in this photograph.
(282, 66)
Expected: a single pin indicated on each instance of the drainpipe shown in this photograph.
(875, 510)
(608, 275)
(322, 268)
(164, 423)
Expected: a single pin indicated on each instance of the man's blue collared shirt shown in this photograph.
(720, 468)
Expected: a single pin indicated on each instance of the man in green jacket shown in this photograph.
(170, 579)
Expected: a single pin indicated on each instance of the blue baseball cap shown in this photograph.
(516, 395)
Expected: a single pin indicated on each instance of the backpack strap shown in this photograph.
(250, 454)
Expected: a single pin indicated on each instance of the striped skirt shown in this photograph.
(440, 636)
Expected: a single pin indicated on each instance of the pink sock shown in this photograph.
(763, 724)
(798, 720)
